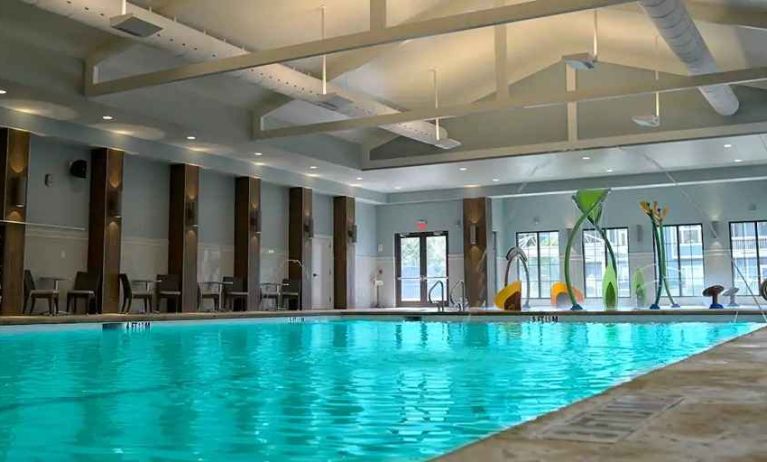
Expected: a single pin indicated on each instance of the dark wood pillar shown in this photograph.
(300, 234)
(477, 226)
(247, 236)
(105, 225)
(183, 231)
(14, 167)
(344, 239)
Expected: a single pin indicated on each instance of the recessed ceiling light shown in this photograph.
(398, 188)
(737, 161)
(463, 169)
(496, 180)
(359, 178)
(586, 158)
(258, 154)
(191, 137)
(2, 92)
(609, 170)
(260, 164)
(728, 145)
(313, 167)
(107, 117)
(471, 186)
(313, 175)
(354, 185)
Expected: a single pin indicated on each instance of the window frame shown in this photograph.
(755, 223)
(538, 251)
(607, 256)
(676, 226)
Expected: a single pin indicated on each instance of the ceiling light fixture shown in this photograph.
(496, 180)
(359, 178)
(3, 92)
(436, 103)
(313, 175)
(260, 164)
(107, 117)
(609, 170)
(313, 167)
(728, 146)
(471, 186)
(398, 188)
(191, 138)
(463, 169)
(586, 158)
(737, 161)
(258, 154)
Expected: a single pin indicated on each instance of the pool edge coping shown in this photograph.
(526, 432)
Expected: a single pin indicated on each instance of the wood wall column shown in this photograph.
(105, 225)
(183, 231)
(477, 229)
(344, 238)
(247, 236)
(14, 167)
(300, 234)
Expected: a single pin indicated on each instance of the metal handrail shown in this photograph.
(441, 304)
(460, 304)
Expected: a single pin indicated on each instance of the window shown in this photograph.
(542, 250)
(595, 257)
(684, 259)
(748, 241)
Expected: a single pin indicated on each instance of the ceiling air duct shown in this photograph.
(676, 26)
(196, 46)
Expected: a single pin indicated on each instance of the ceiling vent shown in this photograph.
(135, 26)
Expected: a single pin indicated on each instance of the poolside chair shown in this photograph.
(129, 294)
(234, 292)
(85, 288)
(270, 291)
(169, 289)
(211, 293)
(31, 293)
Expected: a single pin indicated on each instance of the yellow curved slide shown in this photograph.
(510, 297)
(560, 288)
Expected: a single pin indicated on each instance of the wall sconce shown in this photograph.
(309, 227)
(715, 227)
(473, 234)
(352, 233)
(191, 214)
(114, 205)
(18, 192)
(255, 220)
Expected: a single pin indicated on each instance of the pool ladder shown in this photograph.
(462, 302)
(441, 302)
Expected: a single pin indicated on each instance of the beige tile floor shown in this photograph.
(722, 416)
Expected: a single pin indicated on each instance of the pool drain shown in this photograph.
(612, 421)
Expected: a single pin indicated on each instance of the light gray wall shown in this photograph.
(274, 217)
(322, 211)
(440, 216)
(65, 202)
(145, 198)
(367, 232)
(216, 208)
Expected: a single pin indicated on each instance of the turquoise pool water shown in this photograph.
(322, 390)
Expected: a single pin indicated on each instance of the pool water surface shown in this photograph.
(319, 389)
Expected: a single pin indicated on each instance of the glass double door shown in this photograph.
(421, 261)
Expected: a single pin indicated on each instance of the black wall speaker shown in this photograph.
(79, 168)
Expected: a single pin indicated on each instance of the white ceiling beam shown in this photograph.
(408, 31)
(666, 84)
(718, 14)
(377, 15)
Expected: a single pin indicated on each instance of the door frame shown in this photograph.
(398, 267)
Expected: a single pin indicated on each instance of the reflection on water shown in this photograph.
(319, 390)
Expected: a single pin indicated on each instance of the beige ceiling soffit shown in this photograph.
(408, 31)
(717, 14)
(667, 84)
(112, 47)
(564, 146)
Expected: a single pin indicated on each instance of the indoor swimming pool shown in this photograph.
(309, 388)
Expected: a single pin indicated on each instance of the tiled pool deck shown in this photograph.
(722, 415)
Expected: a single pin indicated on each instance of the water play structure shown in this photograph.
(510, 297)
(657, 215)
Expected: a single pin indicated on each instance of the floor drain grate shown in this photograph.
(612, 421)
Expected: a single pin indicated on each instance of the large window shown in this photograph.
(542, 250)
(748, 241)
(684, 258)
(596, 256)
